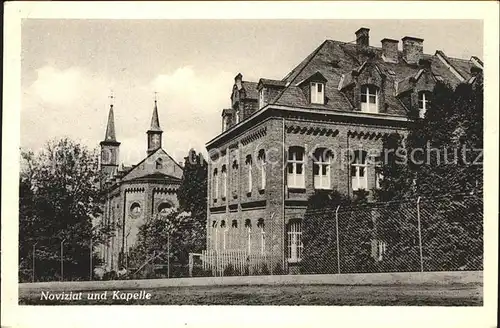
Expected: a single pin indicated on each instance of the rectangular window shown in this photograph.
(294, 241)
(216, 184)
(296, 168)
(423, 103)
(369, 99)
(262, 162)
(224, 181)
(379, 248)
(224, 123)
(317, 93)
(359, 178)
(321, 169)
(378, 177)
(248, 163)
(261, 98)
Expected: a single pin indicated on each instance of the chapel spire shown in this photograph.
(155, 121)
(110, 128)
(154, 133)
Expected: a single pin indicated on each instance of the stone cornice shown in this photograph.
(319, 115)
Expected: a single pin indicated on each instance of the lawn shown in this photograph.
(450, 295)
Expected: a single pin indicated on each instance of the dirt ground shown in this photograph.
(413, 295)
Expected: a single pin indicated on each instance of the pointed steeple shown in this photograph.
(154, 133)
(155, 122)
(110, 128)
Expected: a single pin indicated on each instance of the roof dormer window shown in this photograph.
(369, 99)
(261, 98)
(224, 123)
(317, 93)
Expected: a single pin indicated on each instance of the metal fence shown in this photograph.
(439, 234)
(414, 235)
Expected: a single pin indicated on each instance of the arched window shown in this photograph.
(423, 103)
(159, 164)
(260, 224)
(358, 171)
(321, 168)
(234, 224)
(379, 176)
(223, 224)
(224, 181)
(215, 187)
(164, 208)
(248, 226)
(234, 178)
(296, 167)
(248, 163)
(369, 99)
(135, 210)
(262, 164)
(294, 234)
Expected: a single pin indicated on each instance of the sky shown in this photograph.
(69, 67)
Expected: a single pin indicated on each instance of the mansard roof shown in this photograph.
(337, 61)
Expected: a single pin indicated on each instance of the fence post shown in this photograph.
(33, 266)
(337, 232)
(91, 253)
(62, 254)
(168, 254)
(420, 235)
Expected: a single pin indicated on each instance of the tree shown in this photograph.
(440, 168)
(192, 193)
(58, 199)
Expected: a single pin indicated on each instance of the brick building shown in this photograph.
(283, 139)
(135, 193)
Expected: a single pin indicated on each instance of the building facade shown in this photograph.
(135, 193)
(321, 127)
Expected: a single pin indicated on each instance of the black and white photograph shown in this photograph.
(344, 163)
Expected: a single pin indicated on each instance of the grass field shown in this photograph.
(429, 295)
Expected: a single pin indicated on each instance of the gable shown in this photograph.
(149, 167)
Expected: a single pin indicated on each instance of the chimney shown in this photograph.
(363, 37)
(390, 50)
(413, 48)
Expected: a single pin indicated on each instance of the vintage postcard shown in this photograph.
(316, 164)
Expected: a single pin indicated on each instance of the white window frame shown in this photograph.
(249, 171)
(295, 245)
(357, 181)
(262, 236)
(261, 98)
(224, 181)
(237, 116)
(262, 162)
(249, 237)
(317, 93)
(323, 159)
(423, 103)
(224, 123)
(294, 179)
(216, 184)
(366, 91)
(378, 177)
